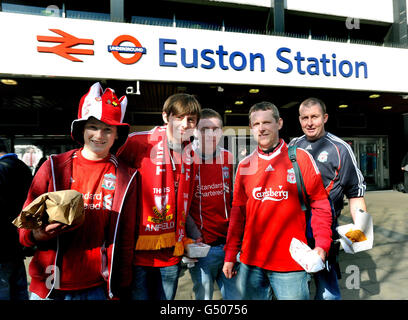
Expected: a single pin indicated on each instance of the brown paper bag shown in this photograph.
(66, 206)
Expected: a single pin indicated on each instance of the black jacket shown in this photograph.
(404, 161)
(15, 180)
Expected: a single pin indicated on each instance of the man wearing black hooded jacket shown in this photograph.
(15, 179)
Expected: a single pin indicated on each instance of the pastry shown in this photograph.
(356, 235)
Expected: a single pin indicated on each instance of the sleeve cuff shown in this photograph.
(324, 244)
(29, 239)
(230, 256)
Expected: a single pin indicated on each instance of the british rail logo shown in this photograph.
(65, 47)
(134, 52)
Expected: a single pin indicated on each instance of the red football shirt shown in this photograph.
(266, 186)
(211, 203)
(82, 261)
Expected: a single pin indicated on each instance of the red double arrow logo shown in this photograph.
(64, 49)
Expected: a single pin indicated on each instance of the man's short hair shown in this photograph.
(264, 106)
(181, 104)
(207, 113)
(314, 101)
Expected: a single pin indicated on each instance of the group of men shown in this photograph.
(155, 192)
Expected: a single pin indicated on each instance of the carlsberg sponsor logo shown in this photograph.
(269, 194)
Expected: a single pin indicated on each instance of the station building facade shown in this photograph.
(230, 54)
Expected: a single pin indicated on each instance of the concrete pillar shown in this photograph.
(279, 16)
(117, 10)
(399, 29)
(276, 16)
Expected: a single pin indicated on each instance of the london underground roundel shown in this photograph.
(136, 51)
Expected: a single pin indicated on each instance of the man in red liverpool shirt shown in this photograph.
(266, 214)
(164, 159)
(92, 261)
(210, 209)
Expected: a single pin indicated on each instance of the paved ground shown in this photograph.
(379, 273)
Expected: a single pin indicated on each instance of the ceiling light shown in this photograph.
(239, 102)
(181, 89)
(228, 111)
(290, 105)
(374, 96)
(9, 82)
(220, 89)
(342, 106)
(253, 90)
(387, 107)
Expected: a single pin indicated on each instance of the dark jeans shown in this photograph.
(95, 293)
(209, 270)
(155, 283)
(261, 284)
(327, 285)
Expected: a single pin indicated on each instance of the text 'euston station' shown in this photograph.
(287, 61)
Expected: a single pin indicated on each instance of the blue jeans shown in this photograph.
(260, 284)
(209, 269)
(13, 281)
(327, 285)
(155, 283)
(95, 293)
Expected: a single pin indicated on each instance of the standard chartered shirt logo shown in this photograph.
(269, 194)
(210, 190)
(97, 201)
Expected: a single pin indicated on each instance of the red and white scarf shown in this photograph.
(165, 201)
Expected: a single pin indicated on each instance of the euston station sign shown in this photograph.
(62, 47)
(237, 60)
